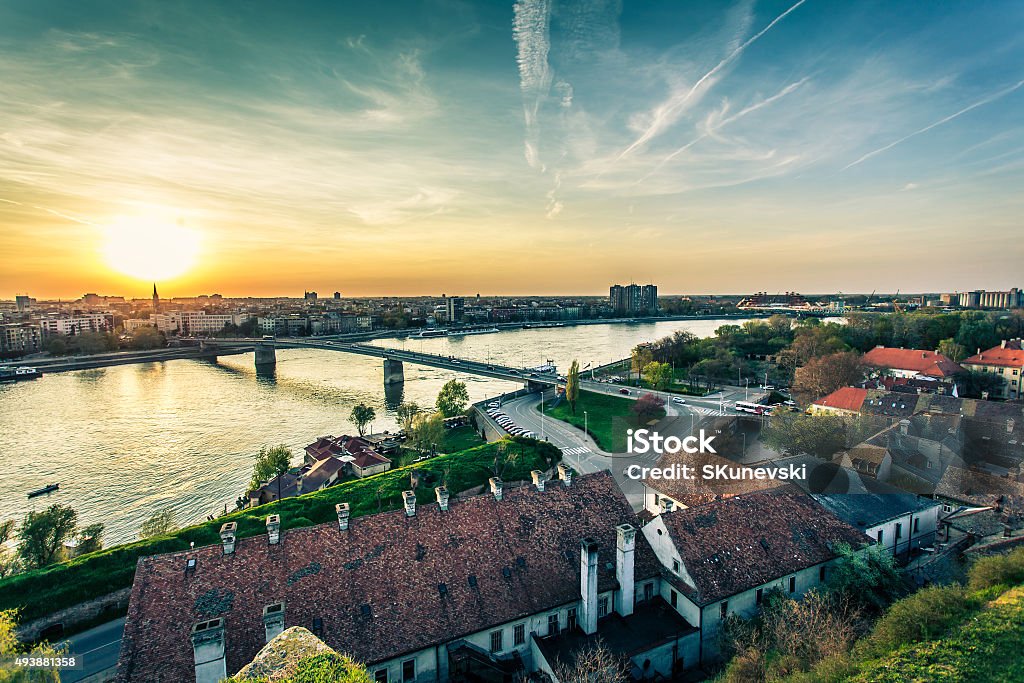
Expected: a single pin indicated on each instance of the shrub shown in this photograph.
(925, 615)
(1006, 570)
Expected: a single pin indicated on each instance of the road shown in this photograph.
(97, 650)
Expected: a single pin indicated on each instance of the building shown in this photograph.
(1005, 361)
(900, 521)
(842, 401)
(156, 300)
(360, 457)
(633, 299)
(455, 308)
(492, 584)
(20, 338)
(979, 298)
(867, 460)
(724, 557)
(759, 300)
(77, 323)
(912, 363)
(191, 323)
(23, 302)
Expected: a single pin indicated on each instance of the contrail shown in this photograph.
(979, 103)
(657, 126)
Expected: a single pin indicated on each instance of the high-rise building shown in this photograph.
(649, 298)
(456, 307)
(23, 302)
(632, 298)
(979, 298)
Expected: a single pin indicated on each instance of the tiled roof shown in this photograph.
(730, 546)
(1010, 356)
(697, 490)
(862, 510)
(389, 584)
(320, 473)
(845, 398)
(925, 362)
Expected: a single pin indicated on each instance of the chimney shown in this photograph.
(905, 427)
(410, 503)
(442, 497)
(496, 486)
(588, 585)
(667, 504)
(273, 620)
(342, 510)
(208, 649)
(538, 479)
(565, 473)
(625, 544)
(227, 536)
(274, 529)
(1002, 344)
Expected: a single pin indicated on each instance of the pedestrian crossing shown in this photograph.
(576, 450)
(715, 412)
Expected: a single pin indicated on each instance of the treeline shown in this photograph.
(88, 343)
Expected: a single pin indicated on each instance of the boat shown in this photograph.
(471, 330)
(426, 334)
(49, 488)
(17, 374)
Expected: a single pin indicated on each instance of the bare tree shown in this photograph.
(594, 663)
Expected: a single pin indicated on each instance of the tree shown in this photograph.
(572, 385)
(159, 523)
(868, 578)
(823, 375)
(453, 398)
(407, 413)
(8, 559)
(641, 356)
(90, 539)
(361, 416)
(42, 535)
(975, 384)
(270, 462)
(593, 663)
(427, 430)
(658, 375)
(147, 338)
(648, 407)
(10, 649)
(951, 350)
(796, 434)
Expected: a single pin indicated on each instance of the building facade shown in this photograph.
(1006, 362)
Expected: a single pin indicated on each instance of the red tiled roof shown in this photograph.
(1011, 356)
(376, 587)
(732, 545)
(924, 362)
(845, 398)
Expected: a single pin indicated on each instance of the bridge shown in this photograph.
(394, 359)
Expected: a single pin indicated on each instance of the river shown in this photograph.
(126, 441)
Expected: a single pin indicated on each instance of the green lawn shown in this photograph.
(460, 439)
(43, 591)
(607, 418)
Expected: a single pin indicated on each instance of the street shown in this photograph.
(96, 649)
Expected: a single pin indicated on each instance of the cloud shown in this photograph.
(530, 30)
(980, 103)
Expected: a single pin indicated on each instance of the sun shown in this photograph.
(150, 249)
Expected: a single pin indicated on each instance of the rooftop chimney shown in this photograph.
(410, 503)
(274, 529)
(538, 479)
(565, 473)
(588, 585)
(208, 649)
(496, 486)
(625, 545)
(1002, 344)
(667, 504)
(227, 536)
(442, 497)
(342, 510)
(273, 620)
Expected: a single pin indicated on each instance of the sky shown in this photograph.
(529, 147)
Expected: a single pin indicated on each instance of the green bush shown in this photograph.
(925, 615)
(43, 591)
(997, 570)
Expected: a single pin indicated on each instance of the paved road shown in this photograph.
(97, 649)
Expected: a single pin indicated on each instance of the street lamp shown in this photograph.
(585, 430)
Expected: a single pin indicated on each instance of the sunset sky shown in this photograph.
(538, 146)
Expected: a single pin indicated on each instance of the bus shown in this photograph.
(755, 408)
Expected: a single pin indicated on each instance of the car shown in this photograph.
(678, 399)
(789, 403)
(624, 391)
(513, 372)
(530, 435)
(455, 360)
(768, 387)
(490, 367)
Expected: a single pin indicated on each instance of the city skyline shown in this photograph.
(538, 147)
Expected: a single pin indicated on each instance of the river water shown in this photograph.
(126, 441)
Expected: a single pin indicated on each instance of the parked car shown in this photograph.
(624, 391)
(678, 399)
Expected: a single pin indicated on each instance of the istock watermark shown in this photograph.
(642, 441)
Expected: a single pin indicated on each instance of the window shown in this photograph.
(552, 624)
(496, 638)
(570, 620)
(917, 525)
(602, 608)
(675, 566)
(947, 508)
(381, 676)
(409, 671)
(759, 596)
(723, 609)
(519, 634)
(881, 532)
(648, 591)
(899, 530)
(821, 573)
(792, 584)
(673, 598)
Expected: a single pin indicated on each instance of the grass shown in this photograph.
(43, 591)
(455, 440)
(607, 418)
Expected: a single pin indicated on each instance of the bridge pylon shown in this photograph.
(394, 371)
(266, 356)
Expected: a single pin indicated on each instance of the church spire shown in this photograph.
(156, 299)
